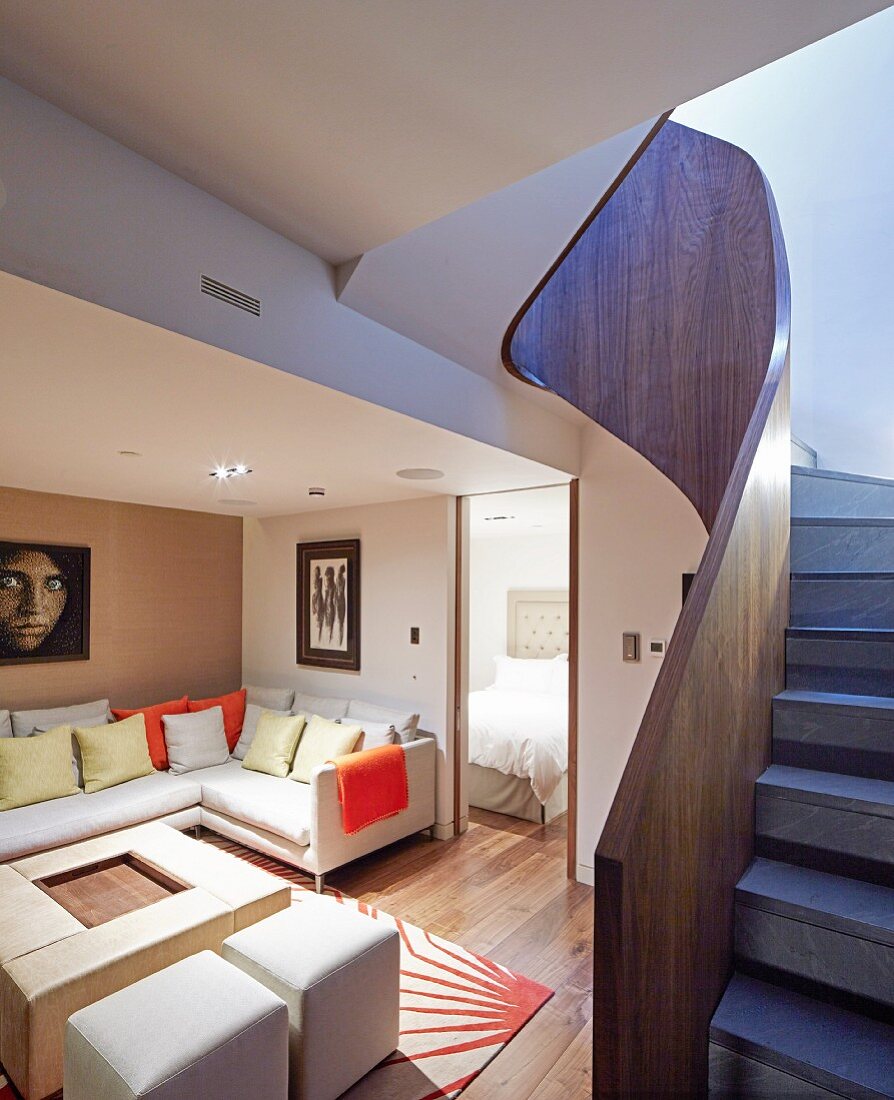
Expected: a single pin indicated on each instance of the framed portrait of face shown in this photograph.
(44, 603)
(328, 612)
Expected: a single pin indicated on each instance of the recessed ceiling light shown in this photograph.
(130, 454)
(316, 491)
(224, 473)
(420, 473)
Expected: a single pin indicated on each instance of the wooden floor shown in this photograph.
(500, 890)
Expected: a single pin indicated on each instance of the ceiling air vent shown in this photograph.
(231, 296)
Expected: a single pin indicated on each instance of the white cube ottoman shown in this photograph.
(339, 973)
(199, 1030)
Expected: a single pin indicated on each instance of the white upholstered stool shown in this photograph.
(199, 1030)
(339, 973)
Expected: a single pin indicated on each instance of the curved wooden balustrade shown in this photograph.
(666, 320)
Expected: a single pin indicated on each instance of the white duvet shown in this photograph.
(520, 733)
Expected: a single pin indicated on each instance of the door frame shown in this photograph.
(461, 660)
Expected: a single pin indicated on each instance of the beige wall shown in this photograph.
(638, 534)
(407, 577)
(166, 601)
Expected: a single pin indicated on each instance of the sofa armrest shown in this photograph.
(329, 847)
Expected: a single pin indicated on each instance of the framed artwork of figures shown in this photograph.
(44, 603)
(329, 604)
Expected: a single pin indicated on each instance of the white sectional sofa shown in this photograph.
(298, 823)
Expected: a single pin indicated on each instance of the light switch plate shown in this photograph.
(630, 647)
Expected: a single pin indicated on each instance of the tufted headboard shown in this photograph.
(538, 622)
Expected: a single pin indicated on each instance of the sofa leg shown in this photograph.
(429, 833)
(197, 831)
(319, 883)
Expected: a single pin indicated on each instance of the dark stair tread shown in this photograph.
(859, 705)
(829, 901)
(848, 576)
(822, 1043)
(856, 793)
(842, 521)
(840, 475)
(842, 633)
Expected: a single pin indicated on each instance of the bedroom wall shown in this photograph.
(407, 579)
(166, 601)
(638, 535)
(498, 564)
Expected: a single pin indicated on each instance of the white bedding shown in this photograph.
(520, 733)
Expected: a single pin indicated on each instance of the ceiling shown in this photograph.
(82, 383)
(519, 513)
(343, 125)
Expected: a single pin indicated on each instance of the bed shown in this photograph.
(518, 727)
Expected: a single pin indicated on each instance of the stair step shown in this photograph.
(843, 600)
(841, 660)
(842, 544)
(830, 930)
(849, 734)
(842, 824)
(834, 493)
(827, 1046)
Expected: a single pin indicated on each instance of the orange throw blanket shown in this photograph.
(372, 785)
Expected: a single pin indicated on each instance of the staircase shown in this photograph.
(809, 1011)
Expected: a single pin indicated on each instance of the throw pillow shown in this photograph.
(405, 724)
(250, 725)
(5, 724)
(114, 754)
(36, 769)
(374, 735)
(275, 699)
(25, 722)
(319, 704)
(196, 740)
(233, 706)
(77, 768)
(273, 745)
(155, 735)
(322, 740)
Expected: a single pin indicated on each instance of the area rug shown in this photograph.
(457, 1010)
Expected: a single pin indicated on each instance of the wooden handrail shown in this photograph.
(667, 321)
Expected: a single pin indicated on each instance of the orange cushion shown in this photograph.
(233, 712)
(155, 734)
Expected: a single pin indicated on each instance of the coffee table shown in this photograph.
(81, 922)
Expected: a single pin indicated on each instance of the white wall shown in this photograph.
(819, 125)
(638, 535)
(496, 565)
(407, 576)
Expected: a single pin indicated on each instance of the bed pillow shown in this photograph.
(5, 724)
(319, 704)
(558, 684)
(115, 753)
(529, 674)
(25, 722)
(374, 734)
(155, 734)
(36, 769)
(273, 745)
(404, 723)
(250, 725)
(197, 740)
(233, 707)
(273, 699)
(321, 741)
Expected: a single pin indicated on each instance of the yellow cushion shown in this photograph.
(36, 769)
(114, 753)
(274, 742)
(322, 741)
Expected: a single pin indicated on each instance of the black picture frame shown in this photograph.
(68, 638)
(328, 604)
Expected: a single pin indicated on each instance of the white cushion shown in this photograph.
(24, 722)
(5, 724)
(309, 705)
(279, 806)
(339, 972)
(65, 820)
(250, 725)
(523, 674)
(211, 1031)
(405, 724)
(278, 699)
(374, 734)
(195, 740)
(558, 683)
